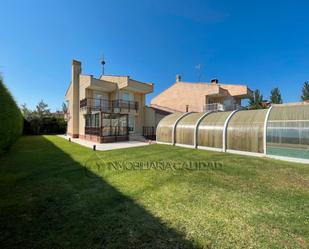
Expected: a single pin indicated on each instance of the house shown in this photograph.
(105, 109)
(200, 97)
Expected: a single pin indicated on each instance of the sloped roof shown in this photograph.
(181, 94)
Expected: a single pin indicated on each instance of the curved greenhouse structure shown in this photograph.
(281, 131)
(245, 131)
(288, 131)
(210, 130)
(165, 129)
(185, 129)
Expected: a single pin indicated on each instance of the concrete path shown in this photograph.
(105, 146)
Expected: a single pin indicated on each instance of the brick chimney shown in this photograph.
(76, 71)
(178, 77)
(214, 81)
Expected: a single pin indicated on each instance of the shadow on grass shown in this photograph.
(47, 201)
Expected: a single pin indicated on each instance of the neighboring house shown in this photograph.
(107, 109)
(152, 119)
(265, 104)
(200, 97)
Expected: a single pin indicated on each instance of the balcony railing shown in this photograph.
(107, 131)
(109, 106)
(222, 107)
(149, 132)
(213, 107)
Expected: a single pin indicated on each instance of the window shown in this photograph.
(88, 120)
(100, 100)
(93, 120)
(96, 120)
(127, 96)
(131, 123)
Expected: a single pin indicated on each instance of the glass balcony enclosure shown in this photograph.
(106, 124)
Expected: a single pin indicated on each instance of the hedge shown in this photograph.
(11, 119)
(45, 125)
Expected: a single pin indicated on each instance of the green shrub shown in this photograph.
(11, 119)
(45, 125)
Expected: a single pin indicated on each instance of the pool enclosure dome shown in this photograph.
(282, 131)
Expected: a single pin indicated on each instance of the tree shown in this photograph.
(275, 96)
(27, 113)
(305, 91)
(64, 108)
(40, 120)
(256, 100)
(42, 110)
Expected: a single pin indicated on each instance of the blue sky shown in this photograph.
(263, 44)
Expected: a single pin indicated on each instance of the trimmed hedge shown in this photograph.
(46, 125)
(11, 119)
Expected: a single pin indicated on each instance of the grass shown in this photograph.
(55, 194)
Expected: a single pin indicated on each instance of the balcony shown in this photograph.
(222, 107)
(108, 106)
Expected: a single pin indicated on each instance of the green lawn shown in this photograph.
(56, 194)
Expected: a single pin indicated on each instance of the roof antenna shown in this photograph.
(199, 68)
(102, 63)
